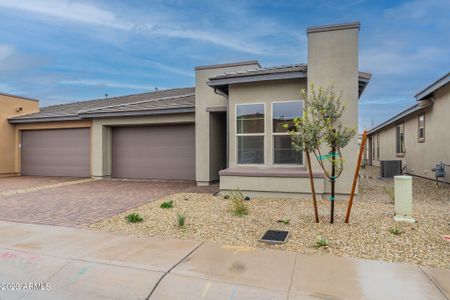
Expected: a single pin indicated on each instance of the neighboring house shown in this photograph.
(419, 135)
(10, 106)
(227, 127)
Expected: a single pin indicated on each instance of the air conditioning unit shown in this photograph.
(390, 168)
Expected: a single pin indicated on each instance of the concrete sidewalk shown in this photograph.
(81, 264)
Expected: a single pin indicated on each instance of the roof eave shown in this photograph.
(148, 112)
(43, 119)
(433, 87)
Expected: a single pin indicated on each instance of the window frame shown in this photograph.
(273, 134)
(402, 146)
(420, 139)
(236, 134)
(378, 147)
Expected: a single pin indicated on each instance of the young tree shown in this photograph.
(321, 126)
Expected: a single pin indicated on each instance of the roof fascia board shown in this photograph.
(148, 112)
(433, 87)
(255, 78)
(397, 118)
(43, 119)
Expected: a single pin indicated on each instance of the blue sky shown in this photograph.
(60, 51)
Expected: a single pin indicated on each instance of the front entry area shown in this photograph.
(56, 152)
(154, 152)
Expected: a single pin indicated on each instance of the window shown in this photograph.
(400, 139)
(421, 128)
(285, 113)
(378, 147)
(250, 132)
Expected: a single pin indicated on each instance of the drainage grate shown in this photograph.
(275, 237)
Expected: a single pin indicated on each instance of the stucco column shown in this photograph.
(101, 151)
(333, 60)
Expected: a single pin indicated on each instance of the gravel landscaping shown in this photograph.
(209, 218)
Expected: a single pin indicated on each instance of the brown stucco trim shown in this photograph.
(227, 65)
(269, 172)
(332, 27)
(48, 125)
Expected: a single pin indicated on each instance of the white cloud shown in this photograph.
(6, 51)
(77, 12)
(112, 84)
(170, 69)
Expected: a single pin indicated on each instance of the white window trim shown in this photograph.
(402, 126)
(236, 134)
(421, 139)
(272, 134)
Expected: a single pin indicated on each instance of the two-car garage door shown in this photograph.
(56, 152)
(154, 152)
(146, 152)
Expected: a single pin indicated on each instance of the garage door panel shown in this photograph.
(154, 152)
(58, 152)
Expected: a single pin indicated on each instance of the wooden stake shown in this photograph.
(355, 178)
(313, 189)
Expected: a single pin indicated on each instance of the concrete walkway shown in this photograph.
(49, 262)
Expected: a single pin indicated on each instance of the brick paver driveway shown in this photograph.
(8, 184)
(86, 202)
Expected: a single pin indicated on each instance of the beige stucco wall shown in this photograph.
(333, 60)
(271, 186)
(18, 128)
(204, 98)
(421, 157)
(9, 106)
(260, 92)
(101, 136)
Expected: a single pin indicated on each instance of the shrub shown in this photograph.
(391, 192)
(284, 221)
(395, 230)
(321, 242)
(167, 204)
(239, 208)
(134, 218)
(181, 219)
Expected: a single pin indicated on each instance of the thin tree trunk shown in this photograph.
(313, 189)
(333, 180)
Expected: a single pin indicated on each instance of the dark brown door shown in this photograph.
(154, 152)
(56, 152)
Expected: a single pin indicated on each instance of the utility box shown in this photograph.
(403, 199)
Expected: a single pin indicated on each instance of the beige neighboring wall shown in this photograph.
(206, 168)
(101, 136)
(11, 106)
(333, 60)
(421, 157)
(44, 125)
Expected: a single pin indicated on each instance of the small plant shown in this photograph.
(321, 242)
(167, 204)
(391, 192)
(395, 230)
(239, 208)
(284, 221)
(181, 219)
(134, 218)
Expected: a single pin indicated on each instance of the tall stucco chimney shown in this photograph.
(333, 60)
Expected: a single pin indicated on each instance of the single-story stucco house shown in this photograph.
(419, 135)
(228, 127)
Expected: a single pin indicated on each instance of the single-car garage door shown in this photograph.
(154, 152)
(56, 152)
